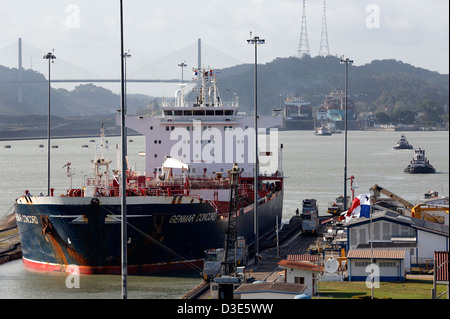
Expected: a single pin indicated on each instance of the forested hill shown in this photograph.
(382, 85)
(377, 86)
(84, 100)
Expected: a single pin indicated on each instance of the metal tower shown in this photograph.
(324, 50)
(303, 46)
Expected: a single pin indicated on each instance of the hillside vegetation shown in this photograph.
(382, 86)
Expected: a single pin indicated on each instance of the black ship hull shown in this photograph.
(422, 169)
(164, 233)
(403, 147)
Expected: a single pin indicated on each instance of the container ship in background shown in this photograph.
(334, 103)
(176, 210)
(297, 114)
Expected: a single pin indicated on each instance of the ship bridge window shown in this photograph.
(168, 113)
(209, 112)
(219, 112)
(189, 112)
(199, 112)
(178, 113)
(229, 112)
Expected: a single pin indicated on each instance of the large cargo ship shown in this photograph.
(176, 210)
(297, 114)
(334, 103)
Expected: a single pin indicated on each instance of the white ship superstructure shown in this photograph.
(207, 134)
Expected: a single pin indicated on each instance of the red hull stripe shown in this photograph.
(108, 270)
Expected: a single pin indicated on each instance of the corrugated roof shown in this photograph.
(305, 257)
(300, 265)
(410, 221)
(377, 254)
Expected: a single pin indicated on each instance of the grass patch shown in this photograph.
(409, 289)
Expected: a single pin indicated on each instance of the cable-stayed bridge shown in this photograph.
(24, 56)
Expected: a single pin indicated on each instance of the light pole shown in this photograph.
(256, 40)
(182, 65)
(346, 61)
(50, 57)
(124, 259)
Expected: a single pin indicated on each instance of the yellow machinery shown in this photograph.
(423, 211)
(418, 211)
(378, 189)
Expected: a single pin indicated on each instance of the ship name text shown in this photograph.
(193, 218)
(26, 219)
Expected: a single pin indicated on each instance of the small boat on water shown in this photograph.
(7, 146)
(403, 144)
(322, 131)
(84, 146)
(420, 164)
(41, 145)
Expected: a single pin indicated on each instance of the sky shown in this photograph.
(85, 35)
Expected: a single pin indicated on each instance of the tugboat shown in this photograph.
(419, 164)
(403, 144)
(323, 131)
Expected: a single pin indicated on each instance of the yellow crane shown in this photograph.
(378, 189)
(422, 210)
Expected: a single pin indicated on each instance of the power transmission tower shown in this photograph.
(303, 46)
(324, 50)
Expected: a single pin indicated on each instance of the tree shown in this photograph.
(383, 118)
(431, 113)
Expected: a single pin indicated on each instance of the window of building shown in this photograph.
(299, 280)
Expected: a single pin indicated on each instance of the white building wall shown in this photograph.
(428, 243)
(291, 273)
(386, 268)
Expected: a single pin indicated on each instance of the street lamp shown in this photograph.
(182, 65)
(256, 40)
(346, 61)
(123, 182)
(50, 57)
